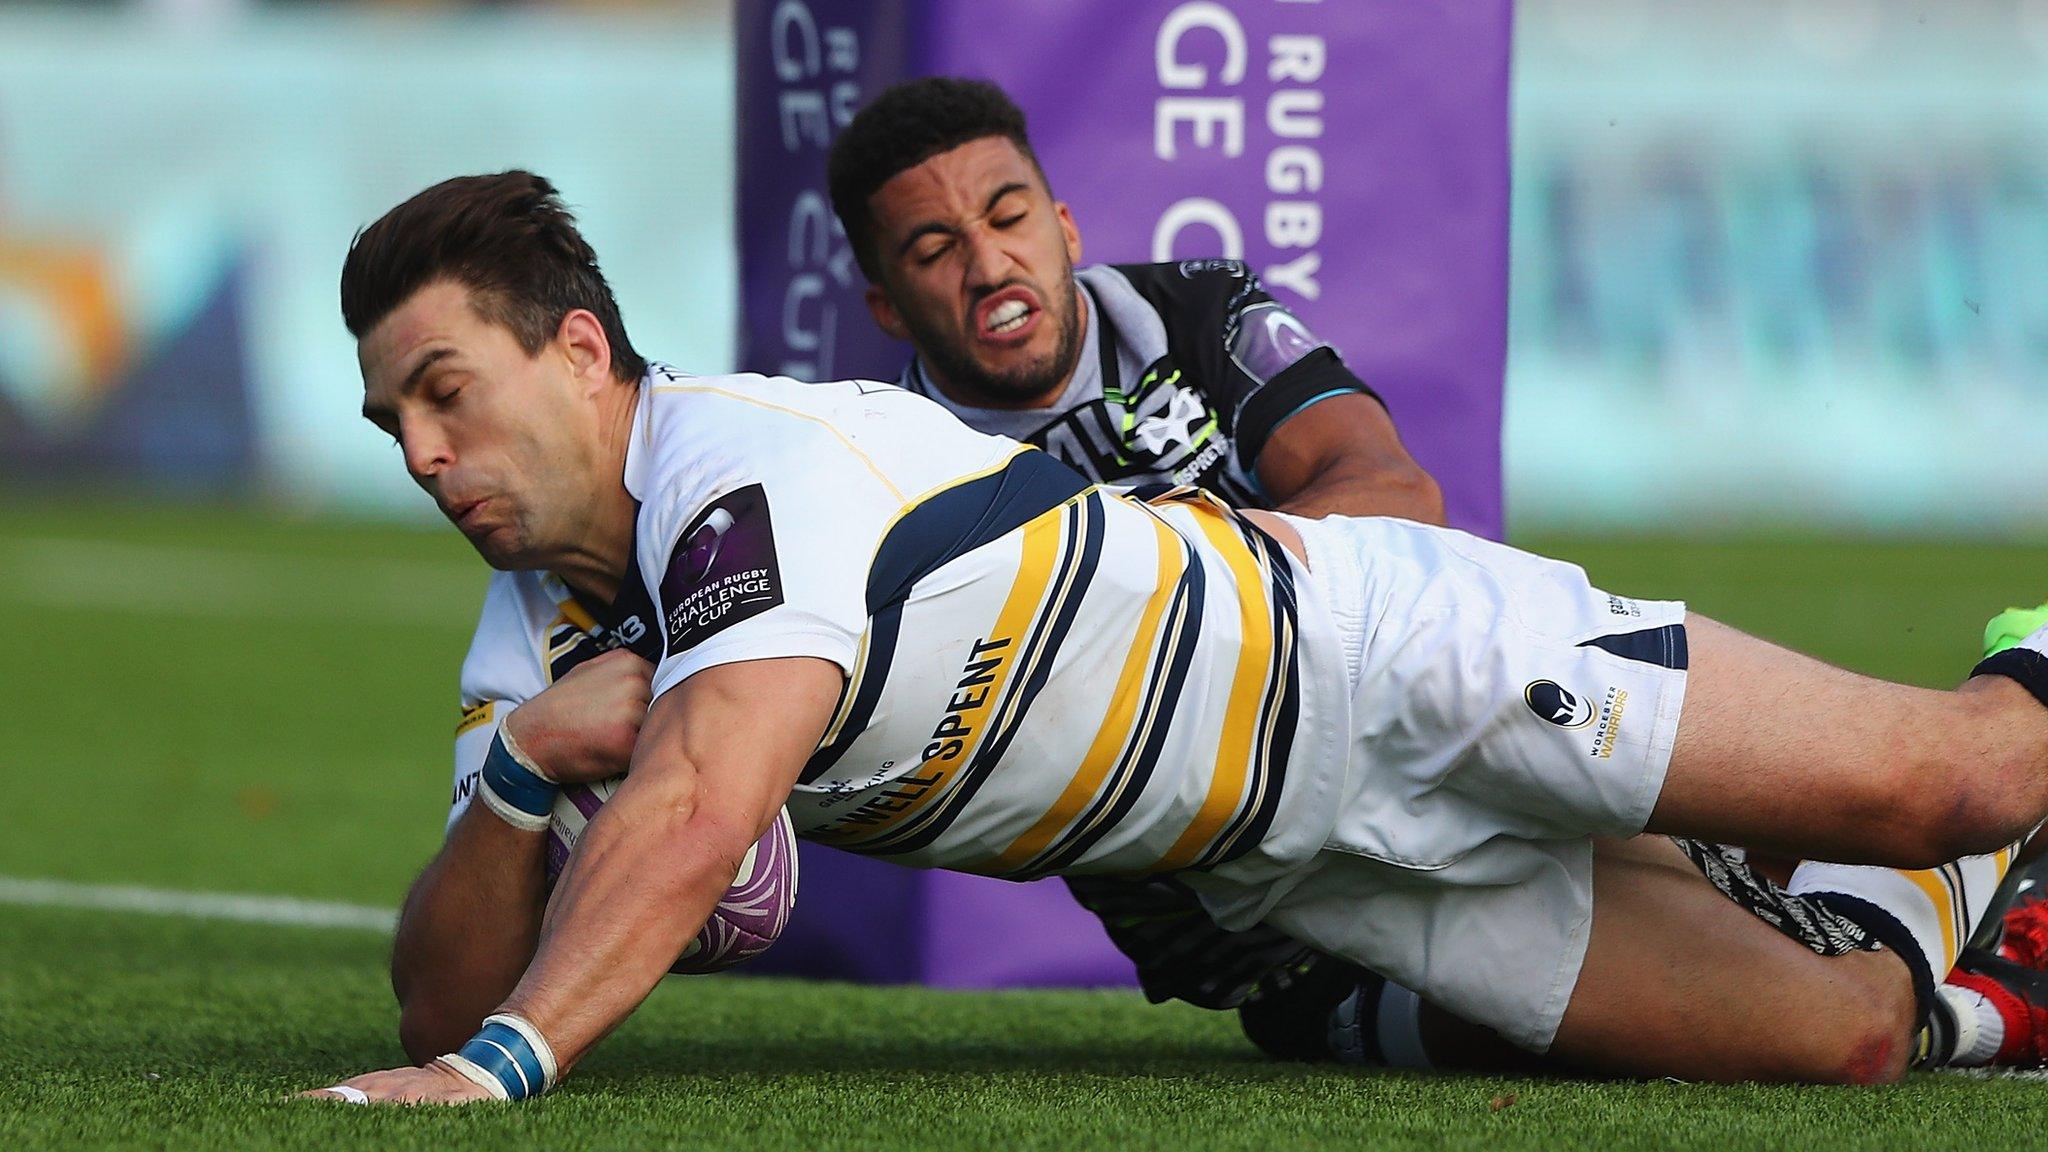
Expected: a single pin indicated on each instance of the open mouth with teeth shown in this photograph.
(1007, 317)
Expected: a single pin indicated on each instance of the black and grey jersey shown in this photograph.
(1186, 371)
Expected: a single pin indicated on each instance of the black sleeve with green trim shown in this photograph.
(1256, 360)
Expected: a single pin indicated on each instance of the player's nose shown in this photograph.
(426, 452)
(989, 263)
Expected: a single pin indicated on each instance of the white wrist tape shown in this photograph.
(508, 1056)
(469, 1068)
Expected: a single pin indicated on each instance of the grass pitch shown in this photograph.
(213, 700)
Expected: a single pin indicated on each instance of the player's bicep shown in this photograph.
(730, 741)
(1348, 431)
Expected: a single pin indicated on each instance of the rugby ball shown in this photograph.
(744, 923)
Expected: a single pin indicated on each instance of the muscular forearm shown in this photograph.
(646, 875)
(467, 931)
(1356, 490)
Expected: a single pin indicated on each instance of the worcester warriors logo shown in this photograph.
(1549, 700)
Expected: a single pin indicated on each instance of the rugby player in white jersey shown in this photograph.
(1396, 742)
(1182, 373)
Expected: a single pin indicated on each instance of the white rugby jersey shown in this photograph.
(1043, 675)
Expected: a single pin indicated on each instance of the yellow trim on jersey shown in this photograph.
(819, 421)
(474, 717)
(1247, 685)
(1035, 569)
(1115, 733)
(573, 613)
(928, 494)
(561, 637)
(1935, 883)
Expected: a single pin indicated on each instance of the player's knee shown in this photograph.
(1865, 1036)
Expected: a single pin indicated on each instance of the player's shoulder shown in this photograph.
(850, 451)
(1202, 286)
(747, 414)
(714, 432)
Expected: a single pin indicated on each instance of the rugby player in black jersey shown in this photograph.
(1179, 373)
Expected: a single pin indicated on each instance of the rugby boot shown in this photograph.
(1179, 951)
(2020, 995)
(2012, 977)
(1317, 1010)
(2011, 626)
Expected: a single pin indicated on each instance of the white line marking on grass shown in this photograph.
(283, 910)
(204, 582)
(2037, 1075)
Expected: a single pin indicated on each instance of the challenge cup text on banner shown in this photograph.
(1354, 154)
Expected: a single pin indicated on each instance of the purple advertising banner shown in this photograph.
(1355, 154)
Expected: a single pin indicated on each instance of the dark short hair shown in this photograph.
(508, 239)
(908, 124)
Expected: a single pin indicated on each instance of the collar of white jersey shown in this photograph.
(638, 450)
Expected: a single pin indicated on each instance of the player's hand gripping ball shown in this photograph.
(753, 911)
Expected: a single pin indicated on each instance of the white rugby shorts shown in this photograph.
(1504, 711)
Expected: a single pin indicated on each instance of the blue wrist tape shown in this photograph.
(518, 786)
(510, 1052)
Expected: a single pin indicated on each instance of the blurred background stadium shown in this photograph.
(1778, 344)
(1771, 262)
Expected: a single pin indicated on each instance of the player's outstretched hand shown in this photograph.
(434, 1084)
(582, 728)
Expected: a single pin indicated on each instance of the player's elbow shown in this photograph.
(427, 1028)
(708, 848)
(1420, 493)
(1388, 488)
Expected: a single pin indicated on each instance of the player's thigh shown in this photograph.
(1781, 752)
(1679, 980)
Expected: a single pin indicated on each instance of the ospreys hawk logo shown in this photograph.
(1178, 426)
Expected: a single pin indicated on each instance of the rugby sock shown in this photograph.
(1980, 1020)
(1925, 916)
(2024, 661)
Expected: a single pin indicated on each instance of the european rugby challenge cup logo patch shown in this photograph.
(722, 571)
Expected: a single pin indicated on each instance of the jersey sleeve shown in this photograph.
(1260, 362)
(764, 554)
(501, 671)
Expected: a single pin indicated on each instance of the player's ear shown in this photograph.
(883, 309)
(582, 341)
(1069, 231)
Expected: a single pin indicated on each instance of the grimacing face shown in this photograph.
(507, 444)
(977, 270)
